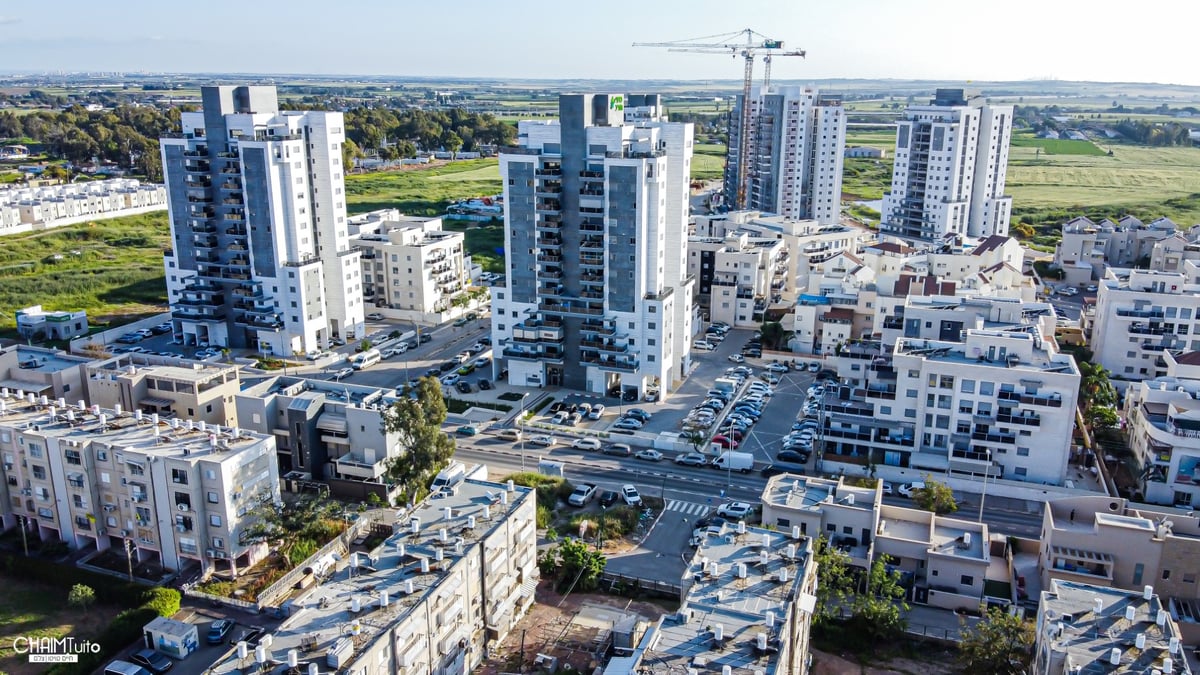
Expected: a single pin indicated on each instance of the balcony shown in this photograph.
(549, 258)
(232, 185)
(204, 227)
(548, 275)
(592, 190)
(985, 437)
(591, 260)
(197, 314)
(592, 279)
(548, 206)
(1141, 313)
(592, 244)
(610, 364)
(548, 188)
(604, 346)
(548, 171)
(549, 224)
(549, 242)
(270, 323)
(591, 175)
(1027, 419)
(196, 167)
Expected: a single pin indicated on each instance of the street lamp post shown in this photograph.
(521, 425)
(983, 495)
(129, 558)
(24, 540)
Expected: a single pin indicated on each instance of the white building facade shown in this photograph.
(1140, 315)
(798, 139)
(949, 170)
(261, 255)
(597, 296)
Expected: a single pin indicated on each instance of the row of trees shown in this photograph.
(377, 130)
(1152, 133)
(126, 135)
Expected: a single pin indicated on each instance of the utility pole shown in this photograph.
(24, 540)
(129, 558)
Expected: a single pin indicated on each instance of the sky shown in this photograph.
(570, 39)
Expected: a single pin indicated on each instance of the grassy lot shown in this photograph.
(484, 242)
(422, 192)
(111, 268)
(884, 139)
(1056, 146)
(31, 609)
(708, 161)
(865, 179)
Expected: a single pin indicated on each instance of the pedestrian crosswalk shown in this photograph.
(687, 508)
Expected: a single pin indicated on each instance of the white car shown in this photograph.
(909, 489)
(544, 440)
(734, 510)
(703, 345)
(344, 372)
(375, 316)
(589, 444)
(649, 455)
(596, 411)
(778, 368)
(737, 358)
(450, 380)
(630, 495)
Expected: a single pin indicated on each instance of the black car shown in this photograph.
(556, 406)
(218, 630)
(793, 456)
(412, 344)
(484, 385)
(463, 386)
(152, 661)
(449, 366)
(615, 392)
(629, 395)
(608, 498)
(782, 467)
(425, 337)
(433, 372)
(485, 340)
(638, 414)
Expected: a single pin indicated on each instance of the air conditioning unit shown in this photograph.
(181, 528)
(182, 507)
(8, 466)
(210, 553)
(27, 492)
(124, 533)
(110, 507)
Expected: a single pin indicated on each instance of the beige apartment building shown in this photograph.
(169, 387)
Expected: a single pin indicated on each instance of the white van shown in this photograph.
(510, 434)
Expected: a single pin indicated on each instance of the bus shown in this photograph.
(366, 359)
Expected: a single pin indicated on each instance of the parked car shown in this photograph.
(337, 342)
(162, 328)
(584, 493)
(450, 380)
(782, 467)
(703, 345)
(649, 455)
(793, 456)
(734, 510)
(218, 630)
(375, 316)
(460, 322)
(630, 494)
(510, 434)
(638, 414)
(153, 661)
(814, 367)
(778, 367)
(543, 440)
(910, 489)
(737, 358)
(887, 488)
(485, 384)
(467, 430)
(691, 459)
(608, 498)
(596, 412)
(343, 373)
(619, 449)
(463, 386)
(627, 423)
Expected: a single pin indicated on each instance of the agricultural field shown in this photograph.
(111, 268)
(484, 242)
(884, 139)
(30, 609)
(1056, 146)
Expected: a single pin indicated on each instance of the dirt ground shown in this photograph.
(549, 622)
(831, 664)
(553, 621)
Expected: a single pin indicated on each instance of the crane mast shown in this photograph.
(752, 45)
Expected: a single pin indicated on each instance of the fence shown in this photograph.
(638, 585)
(339, 544)
(220, 599)
(104, 337)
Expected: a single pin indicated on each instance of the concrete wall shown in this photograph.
(107, 336)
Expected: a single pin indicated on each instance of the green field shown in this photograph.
(29, 609)
(1056, 146)
(482, 242)
(884, 139)
(422, 192)
(708, 161)
(109, 267)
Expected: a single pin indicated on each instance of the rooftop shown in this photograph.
(810, 493)
(133, 432)
(740, 590)
(47, 360)
(314, 389)
(1082, 626)
(1027, 340)
(377, 591)
(162, 367)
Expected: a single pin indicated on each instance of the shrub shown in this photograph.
(164, 601)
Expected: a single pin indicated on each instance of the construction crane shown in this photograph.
(752, 44)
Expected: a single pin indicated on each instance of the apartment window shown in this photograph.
(73, 457)
(218, 542)
(910, 393)
(1022, 452)
(179, 476)
(987, 388)
(967, 580)
(966, 386)
(1021, 471)
(35, 449)
(39, 472)
(183, 501)
(910, 412)
(213, 498)
(1138, 570)
(1166, 574)
(214, 520)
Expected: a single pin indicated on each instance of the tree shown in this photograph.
(835, 582)
(1101, 418)
(936, 497)
(282, 525)
(1095, 387)
(81, 597)
(1000, 643)
(876, 613)
(453, 143)
(577, 565)
(418, 424)
(350, 152)
(772, 334)
(698, 440)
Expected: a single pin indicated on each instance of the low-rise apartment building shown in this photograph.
(993, 402)
(174, 492)
(746, 607)
(944, 562)
(169, 387)
(26, 209)
(323, 430)
(1140, 315)
(45, 372)
(1084, 628)
(458, 572)
(1088, 249)
(34, 323)
(411, 267)
(738, 276)
(1162, 419)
